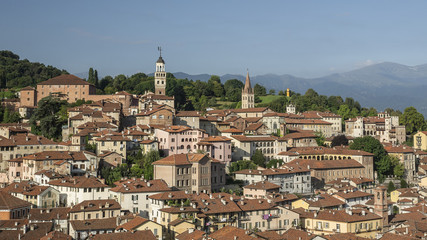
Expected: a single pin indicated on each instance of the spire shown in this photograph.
(248, 87)
(160, 60)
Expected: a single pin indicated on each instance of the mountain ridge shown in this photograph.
(380, 85)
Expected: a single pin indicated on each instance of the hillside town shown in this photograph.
(134, 166)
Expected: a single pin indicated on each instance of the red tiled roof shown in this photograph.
(263, 185)
(9, 202)
(140, 185)
(136, 235)
(65, 79)
(182, 159)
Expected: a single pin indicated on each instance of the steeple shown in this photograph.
(248, 96)
(248, 87)
(160, 75)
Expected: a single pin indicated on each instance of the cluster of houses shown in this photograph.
(54, 190)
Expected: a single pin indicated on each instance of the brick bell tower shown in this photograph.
(380, 203)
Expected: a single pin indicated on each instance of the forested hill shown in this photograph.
(21, 73)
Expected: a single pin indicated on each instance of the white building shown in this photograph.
(133, 194)
(74, 190)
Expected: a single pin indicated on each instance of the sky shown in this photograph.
(302, 38)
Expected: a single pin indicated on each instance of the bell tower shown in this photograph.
(248, 96)
(380, 203)
(160, 76)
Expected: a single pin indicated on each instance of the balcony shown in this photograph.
(223, 220)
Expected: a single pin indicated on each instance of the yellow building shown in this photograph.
(360, 222)
(420, 140)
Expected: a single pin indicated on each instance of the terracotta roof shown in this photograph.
(342, 216)
(48, 214)
(140, 185)
(296, 234)
(28, 88)
(149, 112)
(13, 223)
(260, 109)
(133, 224)
(114, 138)
(65, 79)
(324, 201)
(171, 195)
(137, 235)
(256, 204)
(158, 97)
(399, 149)
(254, 127)
(416, 216)
(41, 229)
(392, 236)
(263, 185)
(78, 182)
(329, 151)
(232, 130)
(56, 235)
(306, 121)
(299, 135)
(252, 119)
(182, 159)
(30, 139)
(94, 224)
(176, 128)
(256, 138)
(57, 155)
(95, 205)
(216, 139)
(361, 180)
(9, 202)
(231, 233)
(190, 234)
(344, 236)
(353, 194)
(188, 114)
(326, 164)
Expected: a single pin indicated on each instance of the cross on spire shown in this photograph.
(160, 50)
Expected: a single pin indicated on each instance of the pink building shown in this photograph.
(218, 147)
(179, 139)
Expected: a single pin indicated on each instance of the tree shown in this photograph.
(47, 115)
(320, 139)
(258, 158)
(95, 76)
(391, 187)
(259, 90)
(272, 92)
(233, 90)
(403, 183)
(412, 119)
(91, 77)
(398, 167)
(214, 78)
(148, 160)
(371, 145)
(340, 140)
(274, 163)
(241, 165)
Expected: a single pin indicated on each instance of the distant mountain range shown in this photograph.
(380, 85)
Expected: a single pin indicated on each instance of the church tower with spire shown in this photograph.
(248, 96)
(160, 76)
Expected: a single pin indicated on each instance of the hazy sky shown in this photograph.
(302, 38)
